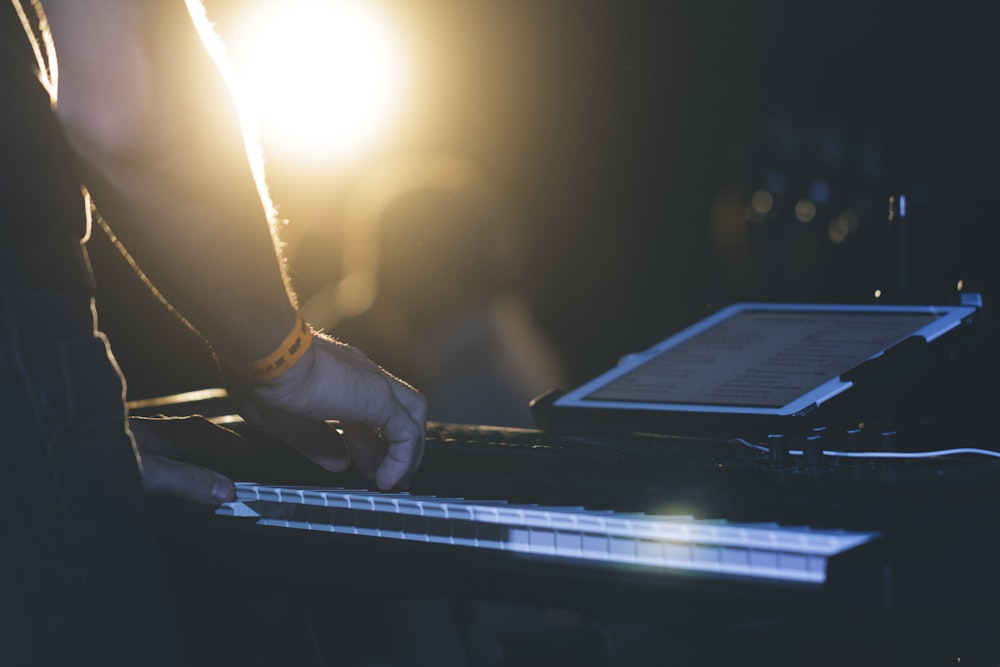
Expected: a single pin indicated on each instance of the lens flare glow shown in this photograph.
(324, 78)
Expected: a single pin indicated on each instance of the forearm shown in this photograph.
(215, 264)
(159, 141)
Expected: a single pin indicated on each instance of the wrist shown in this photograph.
(280, 360)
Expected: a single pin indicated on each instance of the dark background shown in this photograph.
(632, 134)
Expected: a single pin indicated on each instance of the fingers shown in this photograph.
(401, 438)
(189, 434)
(367, 448)
(416, 405)
(161, 475)
(404, 447)
(316, 440)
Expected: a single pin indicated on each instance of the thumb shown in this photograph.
(161, 475)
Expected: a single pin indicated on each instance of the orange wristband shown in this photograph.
(278, 362)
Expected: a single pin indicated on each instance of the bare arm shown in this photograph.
(162, 151)
(163, 154)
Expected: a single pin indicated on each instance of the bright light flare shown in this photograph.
(325, 78)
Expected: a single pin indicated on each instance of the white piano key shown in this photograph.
(649, 552)
(793, 564)
(542, 540)
(593, 523)
(734, 560)
(511, 516)
(463, 525)
(459, 512)
(357, 501)
(269, 493)
(338, 499)
(236, 508)
(366, 519)
(437, 540)
(245, 492)
(437, 510)
(491, 535)
(565, 518)
(561, 509)
(622, 549)
(678, 556)
(569, 543)
(485, 502)
(313, 497)
(390, 522)
(485, 513)
(518, 539)
(762, 561)
(596, 545)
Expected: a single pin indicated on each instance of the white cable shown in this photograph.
(909, 455)
(881, 455)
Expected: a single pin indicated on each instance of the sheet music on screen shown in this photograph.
(762, 358)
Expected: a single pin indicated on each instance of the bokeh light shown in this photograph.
(325, 79)
(805, 210)
(842, 226)
(761, 203)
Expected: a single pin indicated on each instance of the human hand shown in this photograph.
(159, 439)
(383, 419)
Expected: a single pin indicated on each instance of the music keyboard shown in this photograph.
(934, 525)
(686, 535)
(671, 544)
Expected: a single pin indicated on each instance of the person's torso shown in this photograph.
(40, 194)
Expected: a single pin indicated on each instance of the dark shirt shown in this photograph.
(39, 192)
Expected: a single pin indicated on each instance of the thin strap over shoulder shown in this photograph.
(37, 30)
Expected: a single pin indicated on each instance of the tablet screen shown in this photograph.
(761, 358)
